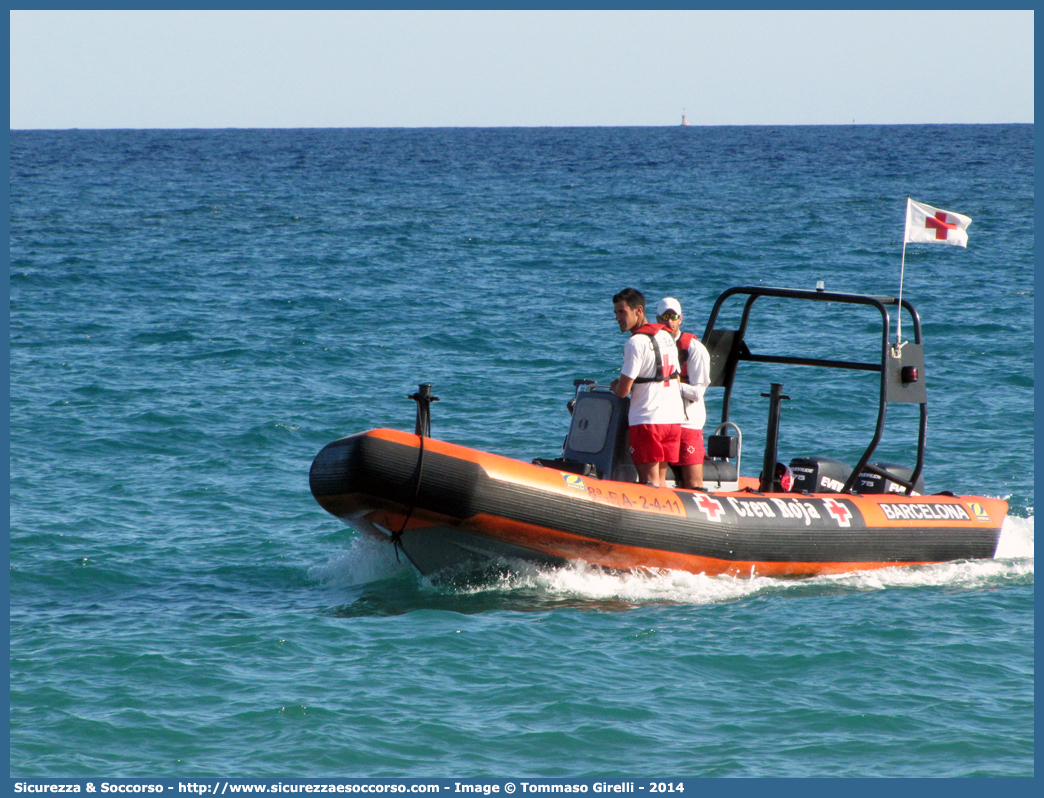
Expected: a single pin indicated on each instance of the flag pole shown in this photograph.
(902, 273)
(899, 312)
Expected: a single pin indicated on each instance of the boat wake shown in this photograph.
(368, 575)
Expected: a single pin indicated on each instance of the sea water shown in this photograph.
(194, 314)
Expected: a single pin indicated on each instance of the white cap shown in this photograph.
(668, 303)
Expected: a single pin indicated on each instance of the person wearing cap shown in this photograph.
(695, 377)
(650, 375)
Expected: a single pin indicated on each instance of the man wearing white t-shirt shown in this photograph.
(650, 374)
(695, 377)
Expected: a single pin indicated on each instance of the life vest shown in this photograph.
(665, 365)
(683, 342)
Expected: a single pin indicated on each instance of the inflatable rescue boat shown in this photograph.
(448, 507)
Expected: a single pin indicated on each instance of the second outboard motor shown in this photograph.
(869, 482)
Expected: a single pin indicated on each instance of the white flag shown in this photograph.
(926, 224)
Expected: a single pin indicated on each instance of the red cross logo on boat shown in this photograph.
(939, 225)
(711, 507)
(838, 511)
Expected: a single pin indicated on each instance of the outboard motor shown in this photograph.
(597, 444)
(819, 474)
(869, 482)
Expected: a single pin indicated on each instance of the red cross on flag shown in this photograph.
(925, 224)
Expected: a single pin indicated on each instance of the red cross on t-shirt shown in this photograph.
(939, 225)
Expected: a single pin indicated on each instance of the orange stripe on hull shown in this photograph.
(621, 557)
(611, 555)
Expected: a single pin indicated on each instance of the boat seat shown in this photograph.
(724, 447)
(718, 471)
(716, 466)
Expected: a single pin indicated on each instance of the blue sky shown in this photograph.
(206, 69)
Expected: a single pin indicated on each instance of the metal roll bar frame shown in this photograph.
(894, 367)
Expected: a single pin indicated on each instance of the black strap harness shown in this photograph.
(658, 363)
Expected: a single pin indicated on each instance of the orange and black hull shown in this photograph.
(450, 506)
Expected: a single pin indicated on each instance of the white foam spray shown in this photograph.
(370, 560)
(1016, 540)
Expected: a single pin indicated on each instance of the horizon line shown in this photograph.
(512, 127)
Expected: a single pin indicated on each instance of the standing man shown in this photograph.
(649, 373)
(695, 377)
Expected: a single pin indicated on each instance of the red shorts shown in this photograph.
(692, 452)
(654, 443)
